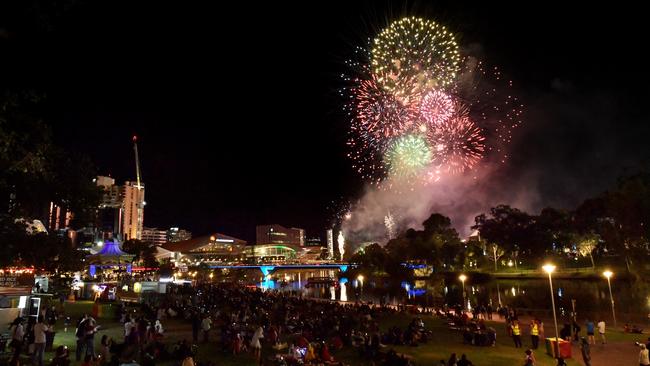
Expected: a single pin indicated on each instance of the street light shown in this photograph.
(360, 279)
(607, 275)
(549, 268)
(462, 279)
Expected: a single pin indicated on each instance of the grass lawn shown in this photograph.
(442, 343)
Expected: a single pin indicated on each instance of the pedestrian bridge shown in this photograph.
(267, 269)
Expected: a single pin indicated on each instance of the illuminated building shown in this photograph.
(154, 236)
(278, 234)
(175, 234)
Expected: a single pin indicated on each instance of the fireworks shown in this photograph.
(491, 103)
(420, 113)
(407, 156)
(436, 107)
(458, 145)
(389, 222)
(381, 114)
(415, 47)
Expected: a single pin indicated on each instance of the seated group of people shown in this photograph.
(478, 334)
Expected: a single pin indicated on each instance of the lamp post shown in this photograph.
(549, 268)
(462, 279)
(607, 275)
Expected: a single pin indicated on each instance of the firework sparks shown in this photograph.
(491, 103)
(458, 144)
(382, 114)
(436, 107)
(407, 156)
(415, 47)
(389, 222)
(419, 113)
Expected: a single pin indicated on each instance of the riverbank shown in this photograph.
(569, 274)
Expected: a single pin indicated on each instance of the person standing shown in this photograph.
(196, 325)
(255, 342)
(601, 330)
(586, 351)
(644, 359)
(576, 331)
(40, 329)
(534, 333)
(91, 329)
(590, 331)
(80, 334)
(206, 324)
(17, 338)
(516, 333)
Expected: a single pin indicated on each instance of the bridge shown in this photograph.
(267, 269)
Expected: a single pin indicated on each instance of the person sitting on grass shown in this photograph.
(529, 360)
(464, 361)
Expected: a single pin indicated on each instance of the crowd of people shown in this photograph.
(298, 330)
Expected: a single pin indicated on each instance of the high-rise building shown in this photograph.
(278, 234)
(154, 236)
(175, 234)
(121, 212)
(133, 204)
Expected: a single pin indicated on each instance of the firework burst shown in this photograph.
(458, 144)
(436, 107)
(408, 156)
(415, 47)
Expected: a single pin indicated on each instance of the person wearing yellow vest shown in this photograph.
(534, 333)
(516, 333)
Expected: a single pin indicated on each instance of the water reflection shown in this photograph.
(531, 295)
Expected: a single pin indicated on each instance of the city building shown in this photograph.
(154, 236)
(121, 211)
(213, 248)
(278, 234)
(314, 242)
(175, 234)
(133, 203)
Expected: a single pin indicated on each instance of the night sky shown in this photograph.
(237, 111)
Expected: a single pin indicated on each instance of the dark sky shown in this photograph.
(237, 111)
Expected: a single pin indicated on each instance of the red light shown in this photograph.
(135, 138)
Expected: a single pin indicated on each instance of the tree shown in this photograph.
(144, 252)
(495, 253)
(586, 245)
(510, 228)
(620, 217)
(47, 252)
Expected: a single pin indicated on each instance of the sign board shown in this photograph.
(16, 280)
(14, 283)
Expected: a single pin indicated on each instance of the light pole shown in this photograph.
(549, 268)
(462, 279)
(607, 275)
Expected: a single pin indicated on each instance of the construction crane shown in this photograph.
(137, 161)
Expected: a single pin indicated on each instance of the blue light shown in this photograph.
(343, 268)
(266, 270)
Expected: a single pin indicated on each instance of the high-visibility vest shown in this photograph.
(533, 330)
(515, 330)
